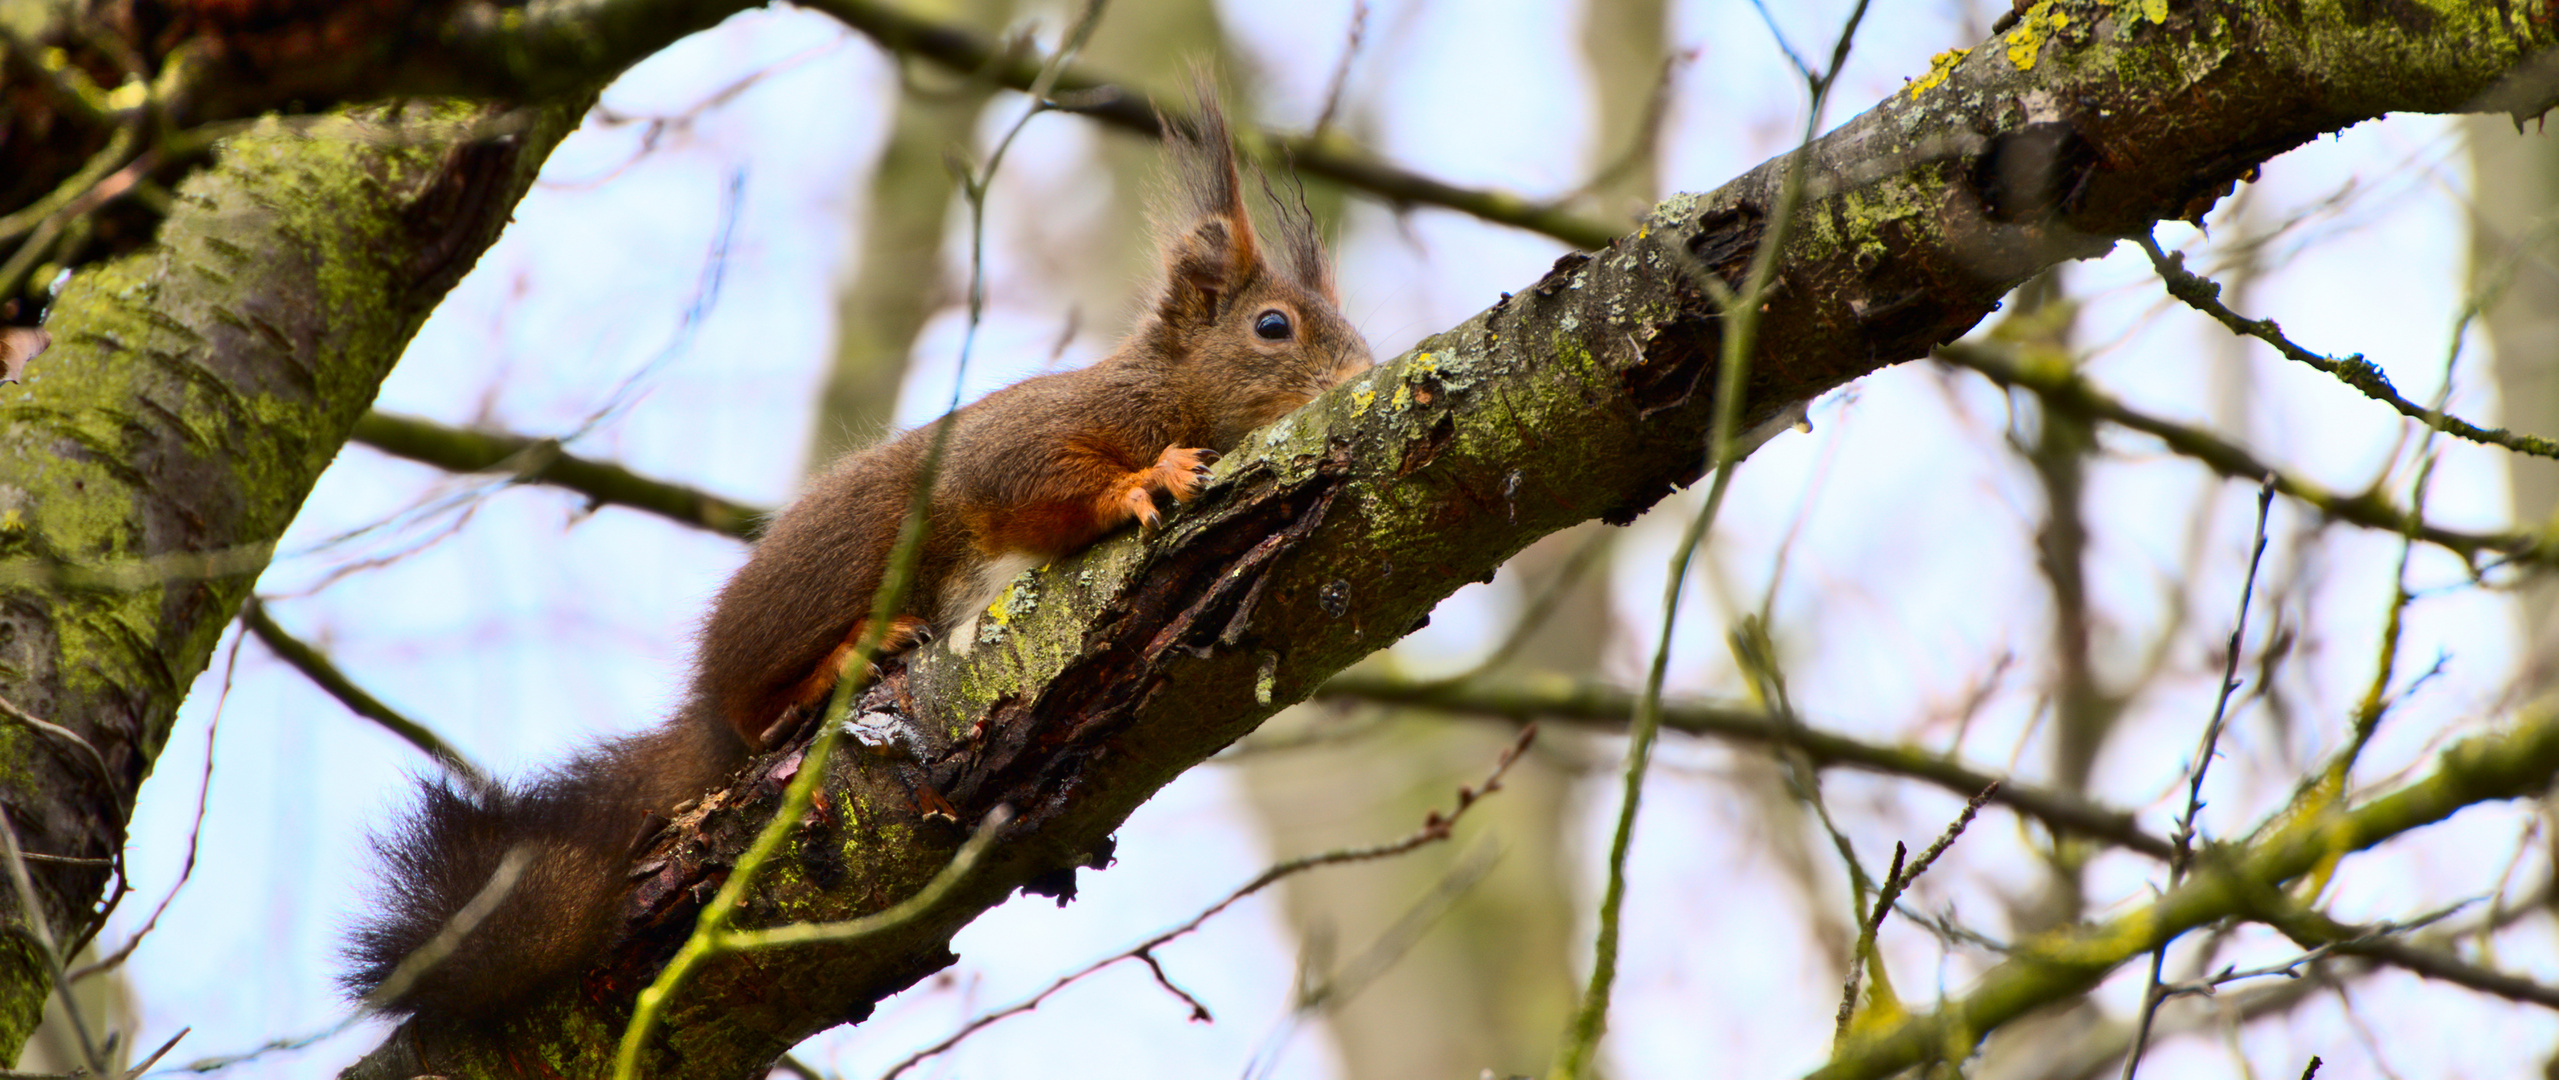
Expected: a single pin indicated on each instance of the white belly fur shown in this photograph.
(965, 599)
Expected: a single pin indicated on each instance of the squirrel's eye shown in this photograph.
(1272, 326)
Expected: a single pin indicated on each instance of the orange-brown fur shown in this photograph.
(1031, 472)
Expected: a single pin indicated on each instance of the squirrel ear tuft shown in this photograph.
(1210, 251)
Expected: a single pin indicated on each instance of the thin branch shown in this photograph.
(2063, 389)
(1741, 312)
(1596, 704)
(1357, 37)
(1558, 588)
(315, 666)
(2184, 836)
(2518, 762)
(543, 461)
(1435, 827)
(1896, 881)
(2311, 929)
(1101, 98)
(88, 751)
(2377, 700)
(2204, 295)
(449, 936)
(895, 915)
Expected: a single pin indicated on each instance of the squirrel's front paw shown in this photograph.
(1182, 470)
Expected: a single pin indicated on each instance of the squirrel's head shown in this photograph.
(1252, 329)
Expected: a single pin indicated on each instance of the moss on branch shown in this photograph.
(2229, 882)
(192, 396)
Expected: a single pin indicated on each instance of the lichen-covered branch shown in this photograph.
(192, 395)
(2232, 882)
(1091, 684)
(1586, 702)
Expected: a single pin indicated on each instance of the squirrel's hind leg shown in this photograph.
(904, 632)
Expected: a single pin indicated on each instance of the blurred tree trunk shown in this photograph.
(1489, 986)
(2515, 257)
(899, 277)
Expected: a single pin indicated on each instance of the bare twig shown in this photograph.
(1556, 590)
(147, 572)
(1594, 703)
(2063, 389)
(1896, 881)
(1102, 99)
(895, 915)
(1357, 37)
(1435, 827)
(2204, 295)
(88, 751)
(2184, 835)
(449, 937)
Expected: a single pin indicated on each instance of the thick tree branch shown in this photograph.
(1593, 703)
(1090, 685)
(192, 395)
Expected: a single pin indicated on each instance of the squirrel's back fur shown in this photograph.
(1037, 470)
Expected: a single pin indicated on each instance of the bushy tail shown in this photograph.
(490, 895)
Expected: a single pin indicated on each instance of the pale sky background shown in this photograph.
(522, 628)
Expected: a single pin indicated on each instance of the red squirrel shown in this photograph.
(1238, 334)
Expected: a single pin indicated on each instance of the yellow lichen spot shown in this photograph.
(2026, 42)
(11, 520)
(131, 95)
(1364, 397)
(1940, 67)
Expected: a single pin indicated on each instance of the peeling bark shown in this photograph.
(1091, 684)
